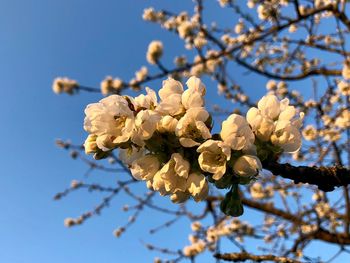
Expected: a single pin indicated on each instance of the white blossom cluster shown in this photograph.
(196, 247)
(259, 191)
(186, 27)
(278, 122)
(170, 145)
(207, 237)
(336, 117)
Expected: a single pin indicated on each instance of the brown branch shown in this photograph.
(312, 72)
(342, 17)
(325, 178)
(321, 234)
(296, 7)
(243, 256)
(316, 46)
(229, 51)
(270, 209)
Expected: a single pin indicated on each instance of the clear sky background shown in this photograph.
(84, 40)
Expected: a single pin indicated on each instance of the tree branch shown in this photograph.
(243, 256)
(320, 233)
(325, 178)
(303, 75)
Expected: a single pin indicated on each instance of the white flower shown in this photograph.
(261, 125)
(251, 3)
(154, 52)
(307, 229)
(185, 29)
(141, 74)
(111, 120)
(197, 186)
(193, 96)
(276, 121)
(263, 12)
(107, 85)
(191, 128)
(330, 135)
(170, 87)
(167, 124)
(171, 106)
(286, 133)
(247, 166)
(214, 60)
(343, 120)
(75, 184)
(128, 155)
(257, 191)
(223, 3)
(236, 133)
(239, 27)
(196, 84)
(145, 167)
(346, 70)
(149, 14)
(196, 226)
(194, 249)
(110, 85)
(344, 88)
(213, 157)
(174, 174)
(179, 197)
(105, 142)
(117, 84)
(148, 101)
(66, 85)
(90, 145)
(271, 85)
(170, 95)
(144, 127)
(200, 40)
(269, 106)
(282, 88)
(293, 28)
(287, 112)
(310, 133)
(158, 184)
(198, 68)
(287, 136)
(68, 222)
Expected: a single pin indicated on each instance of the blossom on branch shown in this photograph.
(170, 145)
(154, 52)
(64, 85)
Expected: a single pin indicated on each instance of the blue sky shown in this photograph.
(85, 40)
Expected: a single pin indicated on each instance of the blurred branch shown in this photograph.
(243, 256)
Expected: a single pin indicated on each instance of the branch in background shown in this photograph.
(320, 234)
(303, 75)
(243, 256)
(268, 208)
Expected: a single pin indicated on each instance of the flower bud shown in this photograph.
(154, 52)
